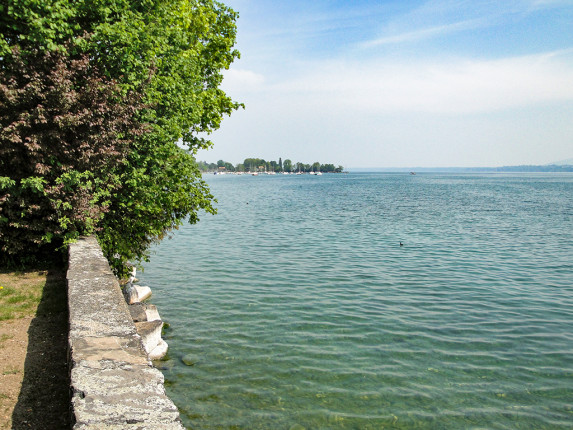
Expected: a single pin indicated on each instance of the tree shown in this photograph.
(206, 167)
(254, 164)
(287, 165)
(59, 149)
(167, 56)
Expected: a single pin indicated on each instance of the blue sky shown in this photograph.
(401, 83)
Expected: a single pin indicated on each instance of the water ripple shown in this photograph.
(301, 310)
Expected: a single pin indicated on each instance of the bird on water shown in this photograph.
(401, 244)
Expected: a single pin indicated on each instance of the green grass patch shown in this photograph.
(6, 314)
(5, 337)
(11, 371)
(20, 294)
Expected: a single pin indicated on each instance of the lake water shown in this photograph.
(296, 307)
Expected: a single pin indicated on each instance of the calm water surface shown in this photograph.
(295, 307)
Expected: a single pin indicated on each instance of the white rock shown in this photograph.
(150, 332)
(143, 293)
(135, 293)
(152, 313)
(159, 351)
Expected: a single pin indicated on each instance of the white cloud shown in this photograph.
(462, 86)
(425, 33)
(240, 79)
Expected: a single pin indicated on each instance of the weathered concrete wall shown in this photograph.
(114, 385)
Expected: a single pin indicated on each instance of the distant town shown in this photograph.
(257, 166)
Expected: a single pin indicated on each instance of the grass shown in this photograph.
(20, 294)
(11, 371)
(5, 337)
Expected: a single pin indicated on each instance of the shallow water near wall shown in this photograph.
(296, 307)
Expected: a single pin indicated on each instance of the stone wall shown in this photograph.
(113, 383)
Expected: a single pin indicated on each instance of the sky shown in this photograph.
(398, 83)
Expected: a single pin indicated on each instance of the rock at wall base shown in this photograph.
(137, 312)
(135, 293)
(159, 351)
(152, 313)
(150, 332)
(143, 293)
(143, 312)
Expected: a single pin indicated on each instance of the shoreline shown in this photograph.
(113, 381)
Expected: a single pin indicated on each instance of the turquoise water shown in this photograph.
(296, 307)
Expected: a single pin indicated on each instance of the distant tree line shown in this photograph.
(260, 165)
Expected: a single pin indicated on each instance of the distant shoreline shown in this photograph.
(552, 168)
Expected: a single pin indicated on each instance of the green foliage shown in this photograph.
(255, 164)
(159, 197)
(159, 60)
(186, 44)
(63, 135)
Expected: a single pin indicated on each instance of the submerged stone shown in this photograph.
(190, 359)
